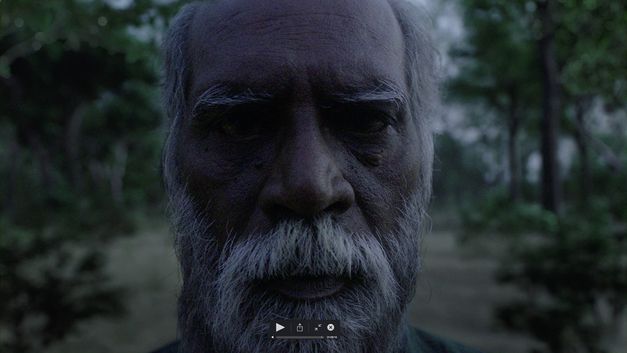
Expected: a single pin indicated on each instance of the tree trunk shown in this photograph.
(512, 148)
(13, 157)
(72, 146)
(550, 109)
(118, 170)
(585, 183)
(42, 156)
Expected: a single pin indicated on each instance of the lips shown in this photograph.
(307, 287)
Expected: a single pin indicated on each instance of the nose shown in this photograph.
(305, 181)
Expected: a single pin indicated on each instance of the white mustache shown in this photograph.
(295, 249)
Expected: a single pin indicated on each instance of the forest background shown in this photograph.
(531, 174)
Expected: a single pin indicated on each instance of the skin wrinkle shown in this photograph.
(340, 212)
(243, 48)
(272, 22)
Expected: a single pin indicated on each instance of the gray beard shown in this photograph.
(222, 310)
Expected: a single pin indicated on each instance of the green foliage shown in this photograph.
(576, 280)
(49, 283)
(466, 181)
(572, 266)
(498, 214)
(497, 60)
(79, 154)
(591, 41)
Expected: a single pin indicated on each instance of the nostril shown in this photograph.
(304, 205)
(278, 212)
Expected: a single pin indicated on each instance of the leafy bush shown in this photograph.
(79, 154)
(572, 269)
(496, 213)
(50, 282)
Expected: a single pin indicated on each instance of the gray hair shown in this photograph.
(421, 66)
(176, 68)
(423, 77)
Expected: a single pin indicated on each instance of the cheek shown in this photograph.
(381, 189)
(228, 176)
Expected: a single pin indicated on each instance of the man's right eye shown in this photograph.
(242, 127)
(234, 123)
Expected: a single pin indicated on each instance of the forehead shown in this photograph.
(282, 43)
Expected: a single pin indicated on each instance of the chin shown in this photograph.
(239, 322)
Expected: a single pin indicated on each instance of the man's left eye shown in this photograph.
(362, 122)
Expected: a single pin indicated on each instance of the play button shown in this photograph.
(278, 327)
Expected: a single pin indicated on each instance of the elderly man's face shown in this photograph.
(296, 109)
(297, 112)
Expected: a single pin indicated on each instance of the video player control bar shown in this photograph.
(304, 329)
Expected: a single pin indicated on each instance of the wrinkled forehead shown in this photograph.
(270, 42)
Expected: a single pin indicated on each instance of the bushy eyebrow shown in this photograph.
(221, 95)
(382, 92)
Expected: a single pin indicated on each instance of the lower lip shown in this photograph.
(307, 288)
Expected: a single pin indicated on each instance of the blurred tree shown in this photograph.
(591, 35)
(452, 189)
(499, 71)
(78, 152)
(512, 46)
(572, 264)
(551, 191)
